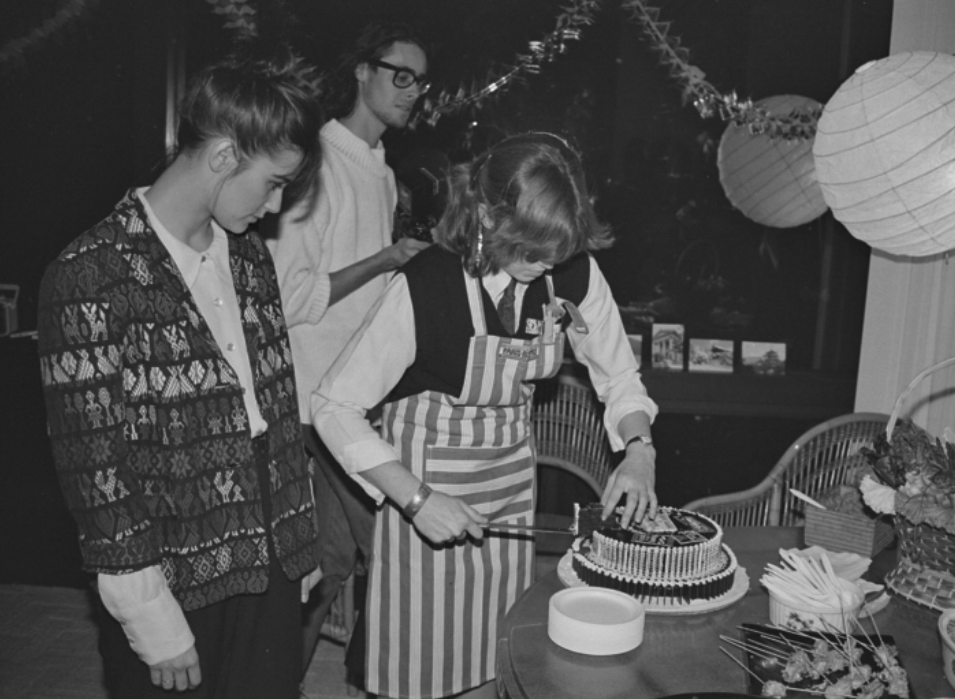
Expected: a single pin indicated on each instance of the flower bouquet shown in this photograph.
(911, 474)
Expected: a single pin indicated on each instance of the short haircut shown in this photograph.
(263, 105)
(532, 189)
(377, 38)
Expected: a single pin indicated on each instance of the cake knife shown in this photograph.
(502, 527)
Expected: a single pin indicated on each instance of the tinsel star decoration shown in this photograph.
(798, 125)
(568, 27)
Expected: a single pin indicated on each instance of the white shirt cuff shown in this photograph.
(321, 295)
(365, 455)
(613, 415)
(149, 614)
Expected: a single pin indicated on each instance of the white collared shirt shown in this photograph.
(495, 284)
(208, 275)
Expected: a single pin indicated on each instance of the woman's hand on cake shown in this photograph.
(634, 478)
(445, 518)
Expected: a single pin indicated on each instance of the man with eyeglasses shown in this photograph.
(334, 260)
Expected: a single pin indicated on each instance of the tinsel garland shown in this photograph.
(240, 16)
(796, 126)
(15, 50)
(568, 27)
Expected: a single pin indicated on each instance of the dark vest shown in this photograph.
(443, 325)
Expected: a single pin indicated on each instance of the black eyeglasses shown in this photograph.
(404, 77)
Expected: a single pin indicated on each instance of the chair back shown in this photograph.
(570, 436)
(822, 458)
(569, 430)
(819, 459)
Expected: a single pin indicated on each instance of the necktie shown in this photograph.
(505, 307)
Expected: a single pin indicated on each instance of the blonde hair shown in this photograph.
(531, 188)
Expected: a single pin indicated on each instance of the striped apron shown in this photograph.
(433, 611)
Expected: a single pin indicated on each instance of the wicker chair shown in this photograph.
(569, 431)
(570, 436)
(816, 461)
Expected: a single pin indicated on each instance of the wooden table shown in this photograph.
(681, 653)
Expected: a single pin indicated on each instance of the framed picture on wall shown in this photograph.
(667, 346)
(714, 356)
(764, 358)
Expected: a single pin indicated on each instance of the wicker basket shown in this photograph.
(838, 531)
(925, 572)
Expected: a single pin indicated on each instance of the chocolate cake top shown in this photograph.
(671, 527)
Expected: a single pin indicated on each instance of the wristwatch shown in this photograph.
(644, 439)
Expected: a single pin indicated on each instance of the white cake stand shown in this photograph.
(565, 571)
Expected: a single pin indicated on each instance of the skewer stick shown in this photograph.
(827, 564)
(799, 567)
(792, 589)
(763, 652)
(789, 580)
(737, 661)
(816, 570)
(773, 632)
(782, 641)
(812, 574)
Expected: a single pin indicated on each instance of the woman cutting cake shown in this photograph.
(451, 349)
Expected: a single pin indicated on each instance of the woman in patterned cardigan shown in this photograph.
(171, 401)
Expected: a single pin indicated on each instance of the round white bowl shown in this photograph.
(595, 621)
(948, 644)
(785, 612)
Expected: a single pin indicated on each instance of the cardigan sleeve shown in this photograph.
(297, 253)
(81, 358)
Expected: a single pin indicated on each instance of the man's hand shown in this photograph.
(635, 477)
(444, 518)
(181, 672)
(310, 581)
(395, 256)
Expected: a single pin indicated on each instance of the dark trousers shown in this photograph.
(249, 646)
(346, 523)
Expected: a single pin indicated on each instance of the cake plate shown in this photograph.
(565, 571)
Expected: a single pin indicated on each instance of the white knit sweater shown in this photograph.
(352, 220)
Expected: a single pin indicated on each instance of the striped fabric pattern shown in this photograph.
(433, 612)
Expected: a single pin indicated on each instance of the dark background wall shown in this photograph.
(82, 118)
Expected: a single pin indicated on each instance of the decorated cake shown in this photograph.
(674, 559)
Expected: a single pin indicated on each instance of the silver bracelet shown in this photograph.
(417, 501)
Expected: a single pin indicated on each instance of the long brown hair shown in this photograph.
(531, 189)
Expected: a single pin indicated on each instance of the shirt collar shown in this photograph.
(495, 284)
(187, 260)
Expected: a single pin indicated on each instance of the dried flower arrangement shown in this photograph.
(846, 498)
(913, 475)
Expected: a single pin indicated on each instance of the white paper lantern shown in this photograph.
(772, 181)
(885, 153)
